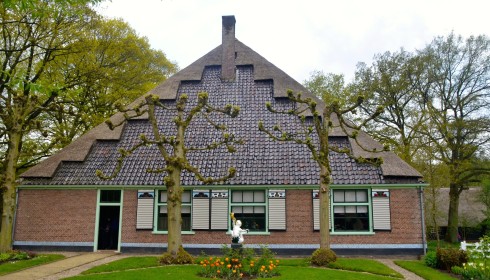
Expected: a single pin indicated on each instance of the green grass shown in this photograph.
(419, 268)
(180, 272)
(13, 266)
(365, 265)
(290, 268)
(124, 264)
(432, 245)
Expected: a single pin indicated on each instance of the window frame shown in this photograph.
(367, 203)
(264, 204)
(159, 204)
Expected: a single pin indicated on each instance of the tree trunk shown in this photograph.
(174, 211)
(324, 196)
(452, 217)
(8, 207)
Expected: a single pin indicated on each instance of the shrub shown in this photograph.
(322, 257)
(182, 257)
(449, 257)
(430, 259)
(16, 255)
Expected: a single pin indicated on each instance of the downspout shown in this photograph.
(15, 214)
(422, 218)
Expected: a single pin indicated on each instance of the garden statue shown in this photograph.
(237, 232)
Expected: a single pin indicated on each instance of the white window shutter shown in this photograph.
(219, 209)
(277, 210)
(144, 215)
(381, 209)
(200, 209)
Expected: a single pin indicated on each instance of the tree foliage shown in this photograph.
(174, 150)
(58, 63)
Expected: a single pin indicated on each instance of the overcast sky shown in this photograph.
(301, 36)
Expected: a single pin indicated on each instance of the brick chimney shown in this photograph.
(228, 45)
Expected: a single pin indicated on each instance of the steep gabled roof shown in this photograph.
(260, 161)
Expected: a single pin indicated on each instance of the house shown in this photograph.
(63, 205)
(471, 212)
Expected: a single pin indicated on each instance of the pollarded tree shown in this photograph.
(174, 150)
(459, 119)
(315, 135)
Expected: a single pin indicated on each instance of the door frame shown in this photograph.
(97, 218)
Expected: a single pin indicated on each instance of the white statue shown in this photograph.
(237, 233)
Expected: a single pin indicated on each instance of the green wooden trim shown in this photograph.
(223, 187)
(97, 217)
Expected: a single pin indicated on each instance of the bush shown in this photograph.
(430, 259)
(449, 257)
(322, 257)
(16, 255)
(182, 257)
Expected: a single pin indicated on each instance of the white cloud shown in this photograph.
(301, 36)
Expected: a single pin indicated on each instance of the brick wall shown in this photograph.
(405, 223)
(55, 215)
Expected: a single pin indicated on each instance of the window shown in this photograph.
(162, 221)
(110, 196)
(249, 208)
(350, 210)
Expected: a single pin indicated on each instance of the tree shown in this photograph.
(58, 64)
(110, 63)
(393, 82)
(457, 105)
(325, 117)
(173, 149)
(29, 42)
(329, 87)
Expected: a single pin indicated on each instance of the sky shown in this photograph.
(301, 36)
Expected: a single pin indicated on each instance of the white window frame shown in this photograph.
(160, 203)
(263, 204)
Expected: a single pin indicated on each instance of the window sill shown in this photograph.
(252, 233)
(352, 233)
(182, 232)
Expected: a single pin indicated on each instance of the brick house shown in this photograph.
(63, 205)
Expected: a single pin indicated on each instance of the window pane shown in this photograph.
(338, 209)
(248, 197)
(109, 196)
(350, 196)
(236, 196)
(162, 223)
(362, 196)
(259, 196)
(186, 209)
(162, 209)
(338, 196)
(248, 209)
(362, 209)
(252, 221)
(236, 209)
(163, 196)
(350, 209)
(186, 197)
(259, 209)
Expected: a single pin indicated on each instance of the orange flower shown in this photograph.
(201, 262)
(222, 263)
(218, 271)
(234, 271)
(251, 264)
(204, 265)
(226, 259)
(212, 265)
(229, 266)
(241, 274)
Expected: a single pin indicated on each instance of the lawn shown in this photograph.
(9, 267)
(419, 268)
(146, 268)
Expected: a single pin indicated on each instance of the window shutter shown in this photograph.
(277, 210)
(381, 209)
(219, 209)
(316, 213)
(144, 215)
(200, 209)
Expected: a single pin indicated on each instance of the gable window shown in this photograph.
(249, 208)
(350, 211)
(162, 221)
